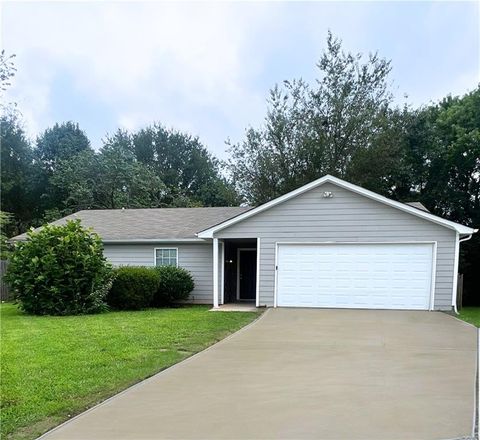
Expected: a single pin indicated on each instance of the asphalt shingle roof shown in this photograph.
(150, 224)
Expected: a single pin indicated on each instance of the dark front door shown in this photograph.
(247, 274)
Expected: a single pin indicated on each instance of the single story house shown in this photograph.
(327, 244)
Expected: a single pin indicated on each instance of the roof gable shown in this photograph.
(463, 230)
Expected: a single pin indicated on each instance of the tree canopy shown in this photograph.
(16, 172)
(109, 179)
(7, 70)
(315, 129)
(60, 173)
(60, 142)
(184, 165)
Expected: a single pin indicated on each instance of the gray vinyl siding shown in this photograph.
(347, 217)
(195, 257)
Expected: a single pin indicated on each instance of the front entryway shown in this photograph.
(240, 271)
(246, 275)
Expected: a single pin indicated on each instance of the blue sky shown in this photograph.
(206, 68)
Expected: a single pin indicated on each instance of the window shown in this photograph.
(166, 257)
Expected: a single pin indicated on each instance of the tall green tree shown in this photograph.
(449, 165)
(443, 156)
(382, 167)
(182, 162)
(56, 144)
(7, 70)
(109, 179)
(5, 247)
(16, 173)
(314, 129)
(60, 142)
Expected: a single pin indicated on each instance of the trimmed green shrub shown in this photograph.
(60, 270)
(176, 284)
(133, 288)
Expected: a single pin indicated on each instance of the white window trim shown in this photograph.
(434, 260)
(164, 248)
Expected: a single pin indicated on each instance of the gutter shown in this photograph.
(154, 240)
(135, 240)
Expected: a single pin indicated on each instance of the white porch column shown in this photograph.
(257, 285)
(215, 272)
(222, 272)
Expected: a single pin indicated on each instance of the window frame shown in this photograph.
(164, 249)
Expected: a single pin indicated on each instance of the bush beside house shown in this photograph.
(133, 288)
(175, 285)
(60, 270)
(136, 288)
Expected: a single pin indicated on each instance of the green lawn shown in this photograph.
(471, 315)
(54, 367)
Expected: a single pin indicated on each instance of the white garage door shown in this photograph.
(367, 276)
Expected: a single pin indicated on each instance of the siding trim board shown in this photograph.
(275, 285)
(434, 276)
(339, 243)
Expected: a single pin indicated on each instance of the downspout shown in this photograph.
(457, 257)
(468, 237)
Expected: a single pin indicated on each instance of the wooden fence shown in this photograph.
(4, 291)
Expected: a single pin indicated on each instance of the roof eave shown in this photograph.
(470, 231)
(132, 240)
(152, 240)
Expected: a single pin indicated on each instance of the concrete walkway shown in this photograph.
(298, 373)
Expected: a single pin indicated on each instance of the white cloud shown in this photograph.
(145, 60)
(206, 67)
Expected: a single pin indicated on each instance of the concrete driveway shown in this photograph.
(305, 373)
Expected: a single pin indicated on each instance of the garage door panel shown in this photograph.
(396, 276)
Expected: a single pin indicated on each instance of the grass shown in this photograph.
(471, 315)
(55, 367)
